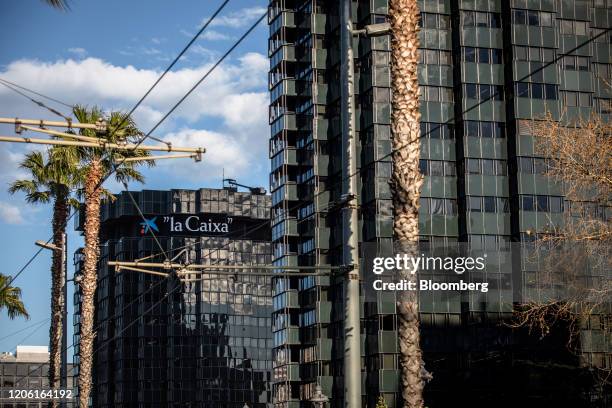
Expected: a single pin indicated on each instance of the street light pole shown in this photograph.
(64, 277)
(350, 220)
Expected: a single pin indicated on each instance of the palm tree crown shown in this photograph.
(10, 299)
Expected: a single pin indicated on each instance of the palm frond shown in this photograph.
(24, 186)
(10, 299)
(58, 4)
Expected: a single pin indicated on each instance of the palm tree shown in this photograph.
(99, 161)
(51, 178)
(406, 182)
(10, 299)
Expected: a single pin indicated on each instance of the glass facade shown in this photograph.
(204, 340)
(483, 183)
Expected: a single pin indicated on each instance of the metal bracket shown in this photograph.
(351, 271)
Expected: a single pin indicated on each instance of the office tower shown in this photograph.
(202, 341)
(488, 68)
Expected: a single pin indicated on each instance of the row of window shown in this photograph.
(541, 203)
(435, 57)
(573, 27)
(575, 63)
(536, 90)
(484, 129)
(436, 93)
(484, 92)
(438, 206)
(435, 21)
(533, 165)
(437, 168)
(433, 130)
(574, 99)
(603, 70)
(535, 54)
(481, 55)
(486, 167)
(488, 204)
(480, 19)
(532, 18)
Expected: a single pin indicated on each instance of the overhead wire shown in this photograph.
(149, 134)
(450, 121)
(37, 93)
(492, 96)
(36, 102)
(174, 108)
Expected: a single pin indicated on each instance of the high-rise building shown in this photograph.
(27, 369)
(488, 68)
(204, 340)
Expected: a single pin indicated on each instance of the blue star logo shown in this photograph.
(148, 226)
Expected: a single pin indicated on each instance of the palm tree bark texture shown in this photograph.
(406, 182)
(89, 282)
(60, 213)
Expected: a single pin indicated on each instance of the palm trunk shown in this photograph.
(60, 213)
(406, 184)
(89, 281)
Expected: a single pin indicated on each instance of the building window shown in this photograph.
(536, 54)
(433, 130)
(575, 63)
(484, 92)
(438, 206)
(601, 35)
(488, 204)
(435, 21)
(481, 55)
(532, 18)
(435, 57)
(603, 71)
(436, 93)
(541, 203)
(604, 106)
(572, 27)
(438, 168)
(536, 90)
(480, 19)
(602, 3)
(474, 128)
(533, 165)
(486, 167)
(577, 99)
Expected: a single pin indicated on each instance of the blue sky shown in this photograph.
(108, 54)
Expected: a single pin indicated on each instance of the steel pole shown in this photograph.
(350, 221)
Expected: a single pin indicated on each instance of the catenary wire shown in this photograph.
(37, 93)
(23, 329)
(36, 102)
(400, 147)
(142, 140)
(450, 121)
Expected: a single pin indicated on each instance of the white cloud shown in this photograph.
(213, 35)
(226, 114)
(237, 19)
(9, 165)
(78, 51)
(223, 151)
(10, 214)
